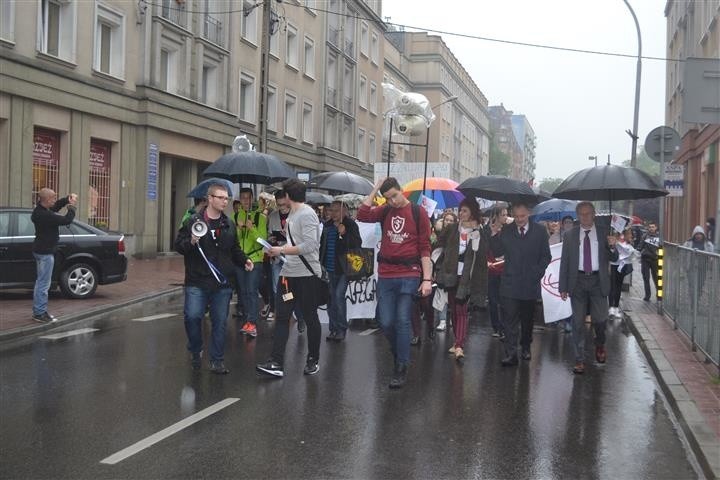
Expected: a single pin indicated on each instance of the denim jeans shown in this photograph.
(45, 264)
(337, 310)
(196, 301)
(395, 301)
(248, 288)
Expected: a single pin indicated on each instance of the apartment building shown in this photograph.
(693, 30)
(501, 124)
(419, 62)
(525, 137)
(126, 103)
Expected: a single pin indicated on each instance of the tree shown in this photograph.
(549, 184)
(499, 160)
(646, 164)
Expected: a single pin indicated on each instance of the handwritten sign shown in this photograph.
(554, 307)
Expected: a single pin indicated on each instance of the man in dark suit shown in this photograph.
(587, 252)
(527, 254)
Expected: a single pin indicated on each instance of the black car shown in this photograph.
(86, 256)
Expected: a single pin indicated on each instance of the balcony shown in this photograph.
(174, 11)
(331, 97)
(212, 30)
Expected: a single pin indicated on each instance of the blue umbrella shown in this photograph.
(554, 210)
(201, 189)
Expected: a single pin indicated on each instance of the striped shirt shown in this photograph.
(332, 236)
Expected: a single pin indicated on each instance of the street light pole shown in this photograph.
(638, 73)
(449, 99)
(593, 157)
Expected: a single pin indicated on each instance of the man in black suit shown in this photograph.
(527, 254)
(587, 252)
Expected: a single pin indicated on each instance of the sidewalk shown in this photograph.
(690, 384)
(147, 279)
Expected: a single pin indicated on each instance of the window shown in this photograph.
(307, 123)
(272, 108)
(332, 80)
(247, 98)
(249, 22)
(291, 47)
(46, 161)
(347, 136)
(56, 28)
(212, 24)
(173, 11)
(372, 149)
(350, 33)
(348, 88)
(99, 187)
(7, 21)
(290, 115)
(362, 98)
(168, 74)
(373, 97)
(275, 41)
(309, 57)
(361, 145)
(209, 87)
(364, 39)
(374, 48)
(331, 130)
(109, 42)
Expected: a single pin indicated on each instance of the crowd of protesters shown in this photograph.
(278, 253)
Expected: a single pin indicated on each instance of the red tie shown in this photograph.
(587, 253)
(522, 232)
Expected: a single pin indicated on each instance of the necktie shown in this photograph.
(522, 232)
(587, 253)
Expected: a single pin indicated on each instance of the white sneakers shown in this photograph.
(615, 312)
(441, 326)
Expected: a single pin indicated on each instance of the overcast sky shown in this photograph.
(578, 104)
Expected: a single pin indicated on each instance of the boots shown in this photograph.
(399, 376)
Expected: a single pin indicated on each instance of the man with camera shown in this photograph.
(47, 221)
(208, 242)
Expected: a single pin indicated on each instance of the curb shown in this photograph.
(701, 439)
(27, 330)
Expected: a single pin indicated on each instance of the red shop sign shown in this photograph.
(46, 148)
(100, 157)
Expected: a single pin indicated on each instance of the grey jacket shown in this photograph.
(570, 260)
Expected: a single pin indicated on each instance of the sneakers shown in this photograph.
(44, 318)
(249, 329)
(311, 366)
(399, 376)
(271, 368)
(496, 333)
(265, 310)
(600, 354)
(218, 367)
(579, 368)
(196, 360)
(459, 354)
(441, 326)
(452, 350)
(270, 316)
(415, 341)
(301, 326)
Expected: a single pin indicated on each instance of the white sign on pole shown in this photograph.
(406, 172)
(674, 180)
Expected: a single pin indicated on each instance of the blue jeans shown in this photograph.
(248, 288)
(395, 298)
(337, 310)
(45, 264)
(196, 301)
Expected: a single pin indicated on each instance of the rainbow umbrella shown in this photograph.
(442, 190)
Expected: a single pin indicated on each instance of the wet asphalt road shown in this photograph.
(68, 404)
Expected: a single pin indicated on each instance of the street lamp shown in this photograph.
(593, 157)
(447, 100)
(638, 72)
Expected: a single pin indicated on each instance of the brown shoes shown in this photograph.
(579, 368)
(600, 354)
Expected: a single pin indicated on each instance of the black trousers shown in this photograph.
(616, 281)
(649, 267)
(517, 319)
(305, 300)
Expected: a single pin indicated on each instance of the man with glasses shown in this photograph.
(210, 262)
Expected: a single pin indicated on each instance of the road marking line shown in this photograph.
(70, 333)
(165, 433)
(154, 317)
(369, 332)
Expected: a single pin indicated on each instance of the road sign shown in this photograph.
(674, 180)
(654, 144)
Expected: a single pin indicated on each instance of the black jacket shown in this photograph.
(221, 249)
(350, 240)
(525, 260)
(46, 225)
(649, 247)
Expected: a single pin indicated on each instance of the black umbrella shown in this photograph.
(495, 187)
(250, 167)
(344, 182)
(317, 198)
(609, 182)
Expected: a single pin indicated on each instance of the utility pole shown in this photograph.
(638, 73)
(264, 74)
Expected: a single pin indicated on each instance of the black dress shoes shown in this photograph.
(526, 355)
(509, 361)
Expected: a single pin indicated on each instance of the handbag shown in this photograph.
(322, 282)
(359, 263)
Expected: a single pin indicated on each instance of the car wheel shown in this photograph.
(79, 280)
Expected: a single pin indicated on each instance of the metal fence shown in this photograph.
(691, 296)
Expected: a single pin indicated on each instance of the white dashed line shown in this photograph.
(70, 333)
(369, 332)
(154, 317)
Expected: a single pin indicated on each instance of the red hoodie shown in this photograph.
(399, 239)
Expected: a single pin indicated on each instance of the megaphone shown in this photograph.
(199, 228)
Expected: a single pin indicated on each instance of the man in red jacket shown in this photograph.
(404, 267)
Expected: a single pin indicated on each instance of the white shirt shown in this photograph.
(593, 249)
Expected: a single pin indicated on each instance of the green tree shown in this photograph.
(646, 164)
(499, 161)
(550, 184)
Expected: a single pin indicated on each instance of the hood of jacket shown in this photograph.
(696, 230)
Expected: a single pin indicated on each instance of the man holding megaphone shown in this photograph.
(208, 241)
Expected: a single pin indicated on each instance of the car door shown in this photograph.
(23, 262)
(5, 245)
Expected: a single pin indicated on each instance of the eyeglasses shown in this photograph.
(220, 197)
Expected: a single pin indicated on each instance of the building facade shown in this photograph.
(693, 30)
(525, 137)
(501, 125)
